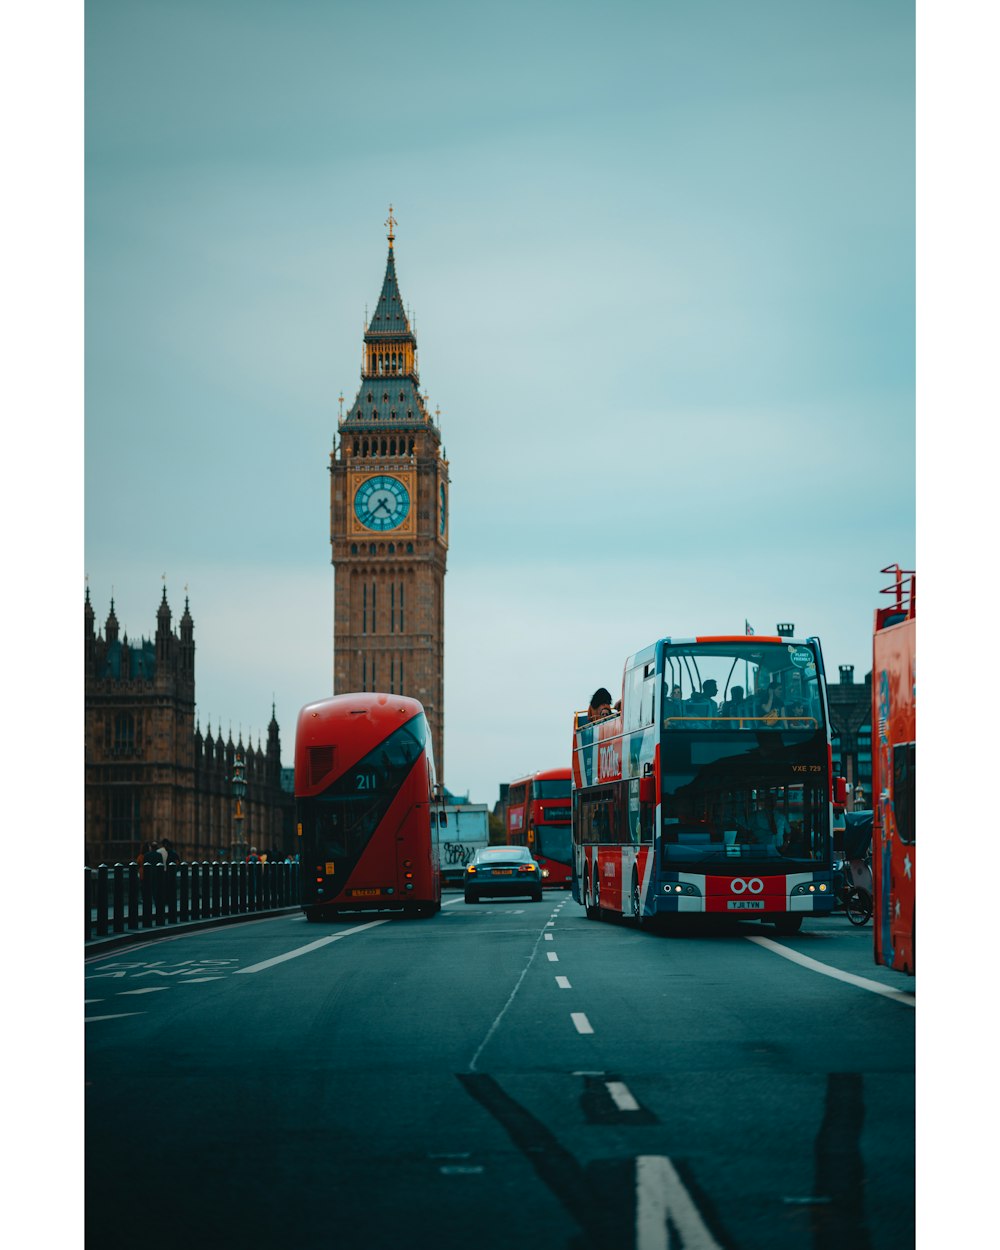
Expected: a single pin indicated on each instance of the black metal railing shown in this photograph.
(122, 898)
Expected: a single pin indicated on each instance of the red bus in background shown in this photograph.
(364, 805)
(894, 717)
(538, 816)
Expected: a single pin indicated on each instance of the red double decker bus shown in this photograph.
(710, 791)
(538, 817)
(894, 722)
(364, 806)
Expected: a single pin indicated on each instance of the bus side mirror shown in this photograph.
(647, 790)
(840, 791)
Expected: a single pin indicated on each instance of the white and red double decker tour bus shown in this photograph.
(709, 790)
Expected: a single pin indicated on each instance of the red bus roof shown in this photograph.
(346, 727)
(544, 774)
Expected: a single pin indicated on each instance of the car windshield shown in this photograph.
(505, 853)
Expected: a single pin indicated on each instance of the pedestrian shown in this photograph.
(170, 851)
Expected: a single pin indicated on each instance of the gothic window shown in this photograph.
(409, 549)
(123, 815)
(401, 612)
(401, 396)
(372, 549)
(392, 549)
(364, 608)
(369, 397)
(385, 397)
(124, 733)
(354, 549)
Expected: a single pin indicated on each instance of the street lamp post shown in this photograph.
(239, 794)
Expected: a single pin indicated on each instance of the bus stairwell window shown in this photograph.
(320, 763)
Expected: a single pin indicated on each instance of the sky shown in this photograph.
(660, 261)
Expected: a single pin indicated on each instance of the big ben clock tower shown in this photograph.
(389, 523)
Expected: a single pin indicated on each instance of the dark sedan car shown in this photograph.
(503, 871)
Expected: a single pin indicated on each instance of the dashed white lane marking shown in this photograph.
(563, 983)
(461, 1170)
(313, 946)
(549, 937)
(119, 1016)
(550, 924)
(887, 991)
(198, 980)
(146, 989)
(552, 957)
(583, 1025)
(621, 1096)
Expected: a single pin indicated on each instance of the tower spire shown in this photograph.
(391, 223)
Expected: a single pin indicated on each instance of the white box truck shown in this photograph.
(462, 829)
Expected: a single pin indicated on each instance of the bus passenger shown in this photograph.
(600, 705)
(770, 704)
(733, 706)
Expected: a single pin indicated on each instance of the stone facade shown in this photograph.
(149, 773)
(389, 524)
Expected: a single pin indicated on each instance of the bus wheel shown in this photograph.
(636, 902)
(312, 914)
(787, 925)
(591, 902)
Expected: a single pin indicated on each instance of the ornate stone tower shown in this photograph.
(389, 523)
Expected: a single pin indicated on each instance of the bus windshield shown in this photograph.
(751, 685)
(739, 796)
(556, 788)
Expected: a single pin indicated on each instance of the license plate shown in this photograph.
(503, 872)
(746, 904)
(365, 893)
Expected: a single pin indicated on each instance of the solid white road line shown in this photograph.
(313, 946)
(660, 1192)
(583, 1025)
(120, 1016)
(563, 983)
(621, 1096)
(887, 991)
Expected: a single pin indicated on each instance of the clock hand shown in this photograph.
(381, 504)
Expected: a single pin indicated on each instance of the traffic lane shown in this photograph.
(754, 1074)
(301, 1081)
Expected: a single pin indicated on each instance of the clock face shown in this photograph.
(382, 503)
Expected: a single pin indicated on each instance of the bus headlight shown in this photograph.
(681, 887)
(811, 887)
